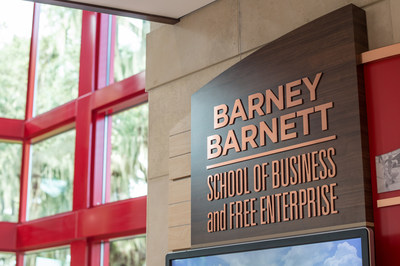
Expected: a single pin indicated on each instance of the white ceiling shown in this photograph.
(164, 11)
(166, 8)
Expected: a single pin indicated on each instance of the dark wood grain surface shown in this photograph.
(331, 45)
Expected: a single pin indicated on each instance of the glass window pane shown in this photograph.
(55, 257)
(52, 172)
(7, 259)
(128, 251)
(58, 60)
(10, 160)
(129, 153)
(130, 47)
(15, 32)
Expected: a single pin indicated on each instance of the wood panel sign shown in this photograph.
(279, 141)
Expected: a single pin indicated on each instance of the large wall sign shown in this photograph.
(279, 141)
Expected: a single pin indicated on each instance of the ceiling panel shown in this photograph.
(165, 11)
(166, 8)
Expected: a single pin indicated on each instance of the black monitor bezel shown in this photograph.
(364, 233)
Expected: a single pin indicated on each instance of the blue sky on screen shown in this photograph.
(342, 252)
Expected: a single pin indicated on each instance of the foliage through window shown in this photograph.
(15, 32)
(7, 259)
(58, 62)
(130, 47)
(128, 251)
(10, 161)
(129, 153)
(54, 257)
(52, 172)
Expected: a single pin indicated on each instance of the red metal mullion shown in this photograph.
(101, 50)
(88, 53)
(109, 131)
(83, 140)
(8, 236)
(32, 62)
(101, 81)
(54, 120)
(47, 232)
(83, 122)
(83, 126)
(97, 168)
(99, 128)
(112, 54)
(12, 129)
(106, 253)
(23, 196)
(126, 104)
(108, 160)
(95, 251)
(23, 202)
(80, 253)
(128, 89)
(116, 219)
(20, 259)
(24, 177)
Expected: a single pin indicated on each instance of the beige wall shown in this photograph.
(184, 57)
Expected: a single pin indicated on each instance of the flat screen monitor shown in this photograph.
(347, 247)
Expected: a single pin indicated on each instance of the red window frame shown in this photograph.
(89, 223)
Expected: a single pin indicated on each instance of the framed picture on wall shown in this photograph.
(388, 171)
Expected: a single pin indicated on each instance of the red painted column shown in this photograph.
(112, 31)
(98, 160)
(95, 251)
(8, 236)
(100, 122)
(83, 122)
(79, 253)
(83, 141)
(103, 127)
(108, 160)
(83, 126)
(102, 50)
(20, 259)
(12, 129)
(87, 62)
(112, 47)
(106, 253)
(24, 181)
(383, 93)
